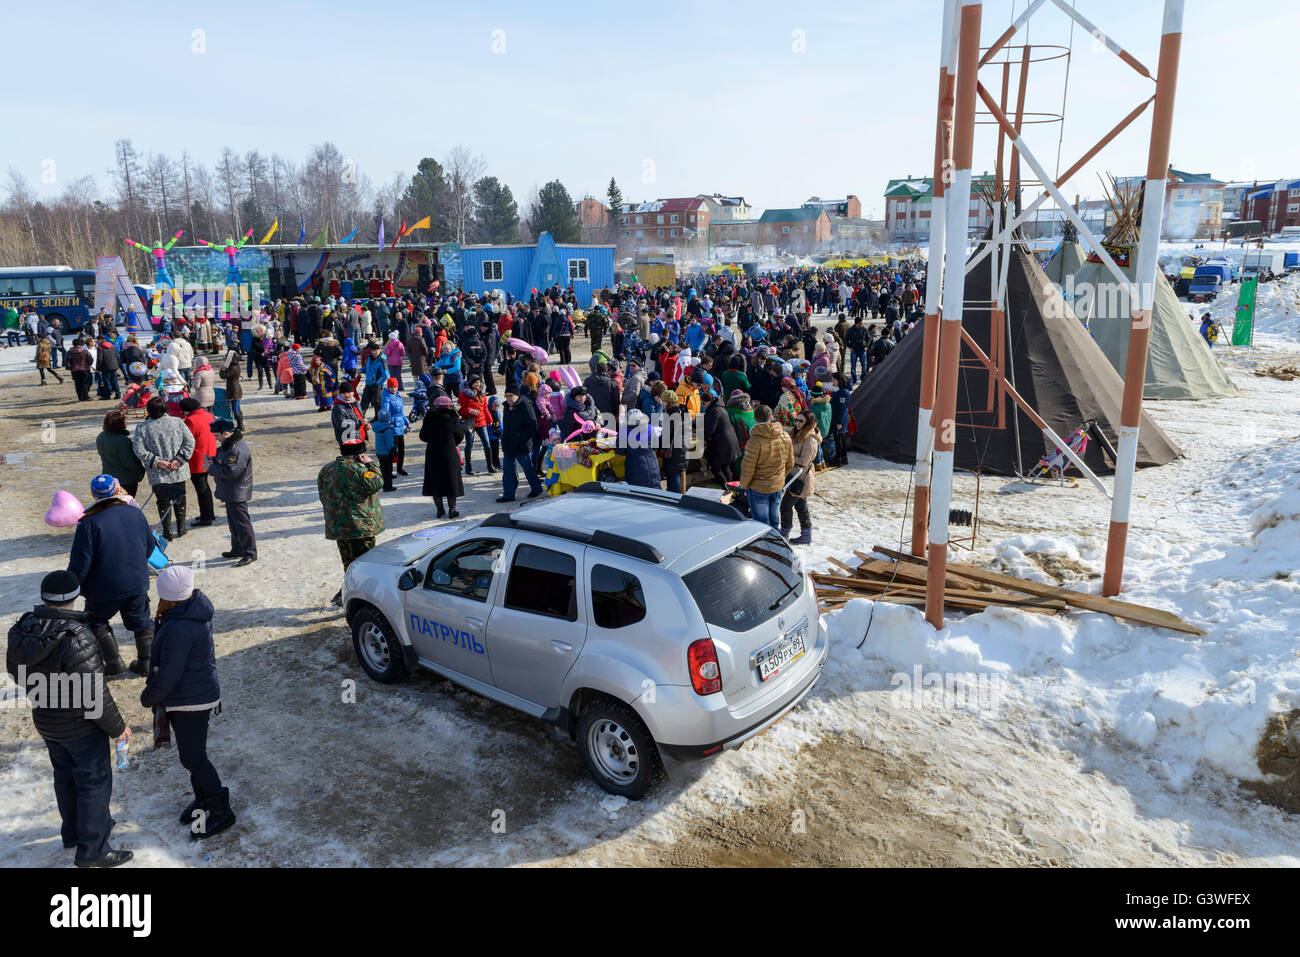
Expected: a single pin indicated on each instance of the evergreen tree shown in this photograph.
(553, 212)
(428, 194)
(496, 216)
(615, 197)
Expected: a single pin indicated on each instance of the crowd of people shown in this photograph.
(749, 377)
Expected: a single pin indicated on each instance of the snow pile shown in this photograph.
(1173, 702)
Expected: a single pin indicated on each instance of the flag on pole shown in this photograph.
(381, 232)
(349, 237)
(302, 231)
(420, 224)
(319, 241)
(270, 232)
(1243, 322)
(400, 233)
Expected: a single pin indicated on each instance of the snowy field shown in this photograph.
(1098, 743)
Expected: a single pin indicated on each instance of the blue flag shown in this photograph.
(349, 236)
(302, 233)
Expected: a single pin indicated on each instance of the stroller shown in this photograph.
(420, 398)
(135, 398)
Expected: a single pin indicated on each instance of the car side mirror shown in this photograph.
(410, 578)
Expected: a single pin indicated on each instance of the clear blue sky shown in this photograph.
(703, 96)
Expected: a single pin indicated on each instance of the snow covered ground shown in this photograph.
(1087, 740)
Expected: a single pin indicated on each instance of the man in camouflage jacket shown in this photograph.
(349, 495)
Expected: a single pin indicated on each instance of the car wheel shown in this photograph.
(617, 749)
(377, 648)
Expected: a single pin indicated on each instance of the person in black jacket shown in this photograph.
(52, 653)
(518, 429)
(110, 554)
(603, 390)
(232, 471)
(443, 430)
(183, 692)
(721, 447)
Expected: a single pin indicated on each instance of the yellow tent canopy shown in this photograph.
(721, 268)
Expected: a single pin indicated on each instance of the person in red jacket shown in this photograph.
(474, 412)
(198, 420)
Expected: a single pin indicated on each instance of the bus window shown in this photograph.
(64, 285)
(15, 286)
(42, 285)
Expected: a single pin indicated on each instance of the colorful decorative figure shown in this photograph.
(161, 277)
(232, 248)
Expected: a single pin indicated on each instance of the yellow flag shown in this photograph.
(271, 232)
(420, 224)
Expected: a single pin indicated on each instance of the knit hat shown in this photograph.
(737, 394)
(176, 583)
(391, 383)
(60, 586)
(443, 402)
(102, 486)
(392, 335)
(221, 425)
(297, 346)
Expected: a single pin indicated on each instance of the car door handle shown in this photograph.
(561, 647)
(476, 622)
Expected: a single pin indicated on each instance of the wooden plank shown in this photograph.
(1142, 614)
(956, 597)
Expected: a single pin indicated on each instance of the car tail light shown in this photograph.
(702, 660)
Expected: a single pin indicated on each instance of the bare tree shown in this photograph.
(20, 194)
(128, 179)
(186, 173)
(228, 171)
(462, 169)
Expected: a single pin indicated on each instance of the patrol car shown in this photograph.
(653, 627)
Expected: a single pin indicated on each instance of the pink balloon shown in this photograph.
(65, 510)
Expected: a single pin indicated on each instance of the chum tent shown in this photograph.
(1052, 362)
(1180, 365)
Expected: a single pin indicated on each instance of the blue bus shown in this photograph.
(53, 291)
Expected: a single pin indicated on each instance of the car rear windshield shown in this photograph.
(745, 588)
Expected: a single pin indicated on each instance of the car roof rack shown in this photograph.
(599, 538)
(692, 503)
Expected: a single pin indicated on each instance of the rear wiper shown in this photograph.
(776, 604)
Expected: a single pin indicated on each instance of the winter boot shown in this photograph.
(805, 536)
(108, 651)
(239, 420)
(219, 816)
(179, 509)
(143, 646)
(187, 815)
(786, 530)
(167, 527)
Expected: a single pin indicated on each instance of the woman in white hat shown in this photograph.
(182, 689)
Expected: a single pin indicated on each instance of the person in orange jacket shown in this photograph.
(477, 418)
(199, 421)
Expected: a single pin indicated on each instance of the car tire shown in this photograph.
(377, 647)
(617, 749)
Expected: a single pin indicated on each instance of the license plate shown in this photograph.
(774, 657)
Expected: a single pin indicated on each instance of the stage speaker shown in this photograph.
(288, 283)
(441, 274)
(424, 277)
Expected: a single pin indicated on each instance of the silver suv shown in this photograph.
(647, 624)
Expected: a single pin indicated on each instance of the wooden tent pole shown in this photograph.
(1153, 205)
(934, 279)
(954, 292)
